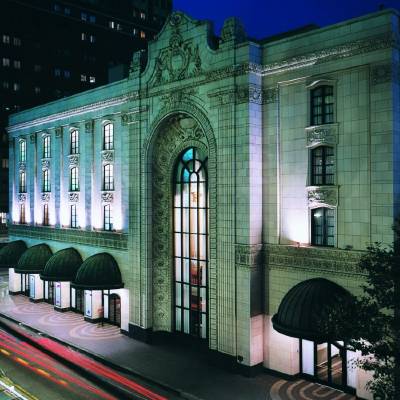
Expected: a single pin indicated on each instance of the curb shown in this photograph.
(94, 356)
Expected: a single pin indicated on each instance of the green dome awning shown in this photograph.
(11, 253)
(98, 272)
(306, 306)
(62, 266)
(34, 259)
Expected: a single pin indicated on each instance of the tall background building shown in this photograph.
(53, 49)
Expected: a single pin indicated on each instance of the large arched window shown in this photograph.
(322, 105)
(191, 243)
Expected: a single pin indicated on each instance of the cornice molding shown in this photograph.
(73, 112)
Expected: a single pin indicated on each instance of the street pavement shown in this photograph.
(180, 369)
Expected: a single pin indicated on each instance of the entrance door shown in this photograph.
(78, 301)
(191, 243)
(25, 284)
(50, 292)
(114, 310)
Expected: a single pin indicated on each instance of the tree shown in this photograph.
(371, 324)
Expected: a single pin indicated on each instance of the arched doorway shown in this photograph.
(114, 309)
(190, 256)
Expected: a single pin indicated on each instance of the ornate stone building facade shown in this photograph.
(220, 176)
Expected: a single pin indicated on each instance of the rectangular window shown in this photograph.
(83, 78)
(37, 68)
(4, 163)
(74, 179)
(83, 36)
(111, 24)
(73, 214)
(16, 87)
(142, 15)
(92, 19)
(6, 39)
(322, 105)
(142, 35)
(83, 16)
(67, 74)
(6, 85)
(6, 62)
(46, 180)
(108, 222)
(108, 177)
(22, 150)
(22, 219)
(323, 164)
(45, 214)
(92, 39)
(17, 41)
(57, 72)
(22, 182)
(92, 79)
(17, 64)
(67, 11)
(47, 147)
(37, 90)
(323, 227)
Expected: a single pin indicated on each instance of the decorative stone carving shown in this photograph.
(22, 197)
(180, 60)
(381, 74)
(89, 126)
(107, 197)
(249, 256)
(322, 134)
(233, 31)
(59, 132)
(33, 138)
(322, 196)
(22, 166)
(250, 94)
(73, 160)
(45, 164)
(45, 197)
(270, 95)
(133, 117)
(107, 155)
(73, 197)
(137, 62)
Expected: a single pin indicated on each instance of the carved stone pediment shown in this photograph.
(322, 196)
(73, 159)
(22, 197)
(107, 155)
(107, 197)
(73, 197)
(322, 134)
(180, 60)
(45, 197)
(45, 164)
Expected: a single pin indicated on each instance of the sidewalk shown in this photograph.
(174, 366)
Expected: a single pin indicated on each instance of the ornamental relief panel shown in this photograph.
(322, 196)
(22, 166)
(322, 134)
(45, 164)
(22, 197)
(107, 197)
(107, 155)
(180, 60)
(45, 197)
(73, 197)
(73, 160)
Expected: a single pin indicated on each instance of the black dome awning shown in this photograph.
(62, 266)
(98, 272)
(306, 307)
(11, 253)
(34, 259)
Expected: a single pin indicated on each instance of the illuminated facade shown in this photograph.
(221, 174)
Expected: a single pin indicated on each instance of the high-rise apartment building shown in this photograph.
(52, 49)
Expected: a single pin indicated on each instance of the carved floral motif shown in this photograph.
(73, 160)
(45, 197)
(322, 134)
(22, 197)
(107, 197)
(45, 164)
(73, 197)
(107, 155)
(22, 166)
(322, 196)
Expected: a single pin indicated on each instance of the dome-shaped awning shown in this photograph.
(34, 259)
(98, 272)
(11, 253)
(306, 306)
(62, 266)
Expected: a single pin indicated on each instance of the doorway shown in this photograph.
(114, 310)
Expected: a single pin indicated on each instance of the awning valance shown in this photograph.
(62, 266)
(98, 272)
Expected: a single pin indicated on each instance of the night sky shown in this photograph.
(263, 18)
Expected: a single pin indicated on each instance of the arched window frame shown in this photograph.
(108, 177)
(108, 135)
(22, 150)
(108, 217)
(74, 179)
(74, 141)
(46, 146)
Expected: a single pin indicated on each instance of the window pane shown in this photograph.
(178, 319)
(178, 294)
